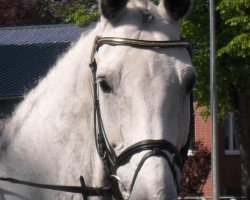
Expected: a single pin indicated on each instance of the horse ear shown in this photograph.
(175, 9)
(111, 8)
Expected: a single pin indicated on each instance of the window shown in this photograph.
(231, 142)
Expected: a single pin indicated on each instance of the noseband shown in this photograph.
(160, 148)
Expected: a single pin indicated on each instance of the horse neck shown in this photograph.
(60, 107)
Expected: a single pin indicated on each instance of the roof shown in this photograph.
(22, 65)
(39, 34)
(27, 53)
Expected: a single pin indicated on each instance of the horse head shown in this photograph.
(143, 92)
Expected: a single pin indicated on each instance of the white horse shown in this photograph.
(144, 94)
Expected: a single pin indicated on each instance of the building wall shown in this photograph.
(230, 169)
(203, 132)
(229, 165)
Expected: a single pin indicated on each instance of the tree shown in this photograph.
(233, 70)
(34, 12)
(27, 12)
(195, 171)
(81, 12)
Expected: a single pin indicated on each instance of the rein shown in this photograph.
(83, 189)
(106, 153)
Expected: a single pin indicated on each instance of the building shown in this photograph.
(26, 55)
(229, 154)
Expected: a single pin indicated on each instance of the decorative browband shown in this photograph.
(141, 43)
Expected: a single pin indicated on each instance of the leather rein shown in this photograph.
(106, 153)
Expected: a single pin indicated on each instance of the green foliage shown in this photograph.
(241, 21)
(239, 46)
(232, 7)
(81, 12)
(155, 1)
(84, 11)
(196, 29)
(82, 16)
(233, 49)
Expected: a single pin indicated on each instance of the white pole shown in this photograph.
(213, 103)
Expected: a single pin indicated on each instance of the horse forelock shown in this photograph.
(141, 20)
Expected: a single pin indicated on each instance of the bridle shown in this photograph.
(107, 154)
(111, 161)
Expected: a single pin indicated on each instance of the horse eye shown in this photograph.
(105, 86)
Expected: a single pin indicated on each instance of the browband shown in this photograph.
(140, 43)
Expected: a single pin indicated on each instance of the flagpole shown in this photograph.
(213, 103)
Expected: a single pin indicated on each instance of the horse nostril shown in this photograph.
(124, 191)
(114, 145)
